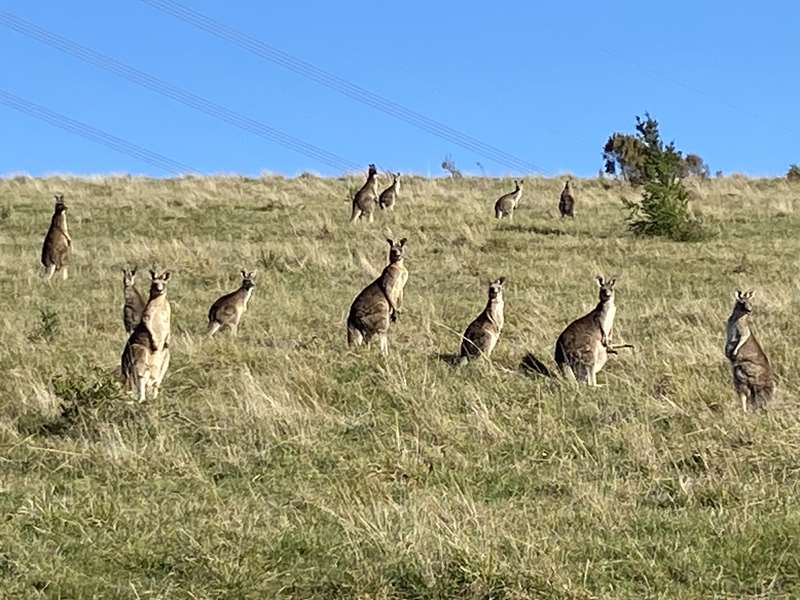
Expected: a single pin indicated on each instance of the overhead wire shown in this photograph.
(93, 134)
(176, 93)
(341, 85)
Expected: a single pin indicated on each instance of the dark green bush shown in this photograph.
(664, 208)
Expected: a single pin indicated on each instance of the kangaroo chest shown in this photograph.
(735, 337)
(495, 314)
(247, 296)
(397, 281)
(157, 317)
(606, 318)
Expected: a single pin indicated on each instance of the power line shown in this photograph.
(164, 88)
(93, 134)
(341, 85)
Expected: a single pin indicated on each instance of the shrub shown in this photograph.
(695, 166)
(793, 174)
(664, 208)
(49, 326)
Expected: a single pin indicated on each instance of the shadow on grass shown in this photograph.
(539, 230)
(450, 358)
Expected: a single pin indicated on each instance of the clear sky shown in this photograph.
(545, 81)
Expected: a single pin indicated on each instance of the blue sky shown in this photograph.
(545, 81)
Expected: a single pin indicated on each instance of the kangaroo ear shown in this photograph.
(749, 294)
(600, 281)
(403, 242)
(166, 275)
(391, 241)
(152, 274)
(501, 280)
(244, 274)
(611, 282)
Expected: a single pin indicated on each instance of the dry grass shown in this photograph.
(282, 465)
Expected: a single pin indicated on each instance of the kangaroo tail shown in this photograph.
(534, 366)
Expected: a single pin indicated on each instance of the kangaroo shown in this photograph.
(752, 375)
(57, 243)
(482, 334)
(379, 303)
(582, 348)
(566, 204)
(134, 303)
(388, 197)
(145, 359)
(365, 199)
(227, 311)
(505, 205)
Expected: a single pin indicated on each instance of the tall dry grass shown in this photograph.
(280, 464)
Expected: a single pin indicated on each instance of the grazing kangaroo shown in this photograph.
(389, 196)
(582, 348)
(227, 311)
(752, 375)
(133, 307)
(378, 304)
(566, 204)
(57, 243)
(482, 334)
(505, 205)
(145, 359)
(365, 199)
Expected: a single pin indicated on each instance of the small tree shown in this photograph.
(623, 156)
(793, 174)
(664, 207)
(696, 166)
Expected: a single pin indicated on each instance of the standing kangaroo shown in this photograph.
(57, 243)
(133, 308)
(482, 334)
(582, 348)
(365, 199)
(505, 205)
(752, 375)
(566, 203)
(145, 359)
(378, 304)
(389, 196)
(227, 311)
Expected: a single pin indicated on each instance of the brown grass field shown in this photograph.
(282, 464)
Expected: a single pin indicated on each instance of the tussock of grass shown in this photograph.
(281, 464)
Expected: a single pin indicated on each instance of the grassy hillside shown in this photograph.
(280, 464)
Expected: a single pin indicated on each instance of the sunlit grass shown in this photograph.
(282, 464)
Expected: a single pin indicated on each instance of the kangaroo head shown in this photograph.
(372, 170)
(519, 183)
(742, 302)
(606, 288)
(396, 178)
(568, 185)
(60, 206)
(129, 277)
(397, 250)
(248, 279)
(158, 285)
(496, 288)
